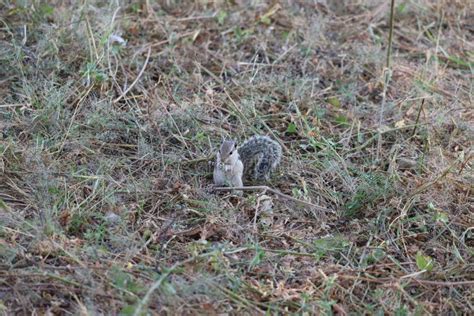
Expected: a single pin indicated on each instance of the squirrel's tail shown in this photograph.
(260, 156)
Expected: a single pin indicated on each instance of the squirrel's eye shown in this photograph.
(231, 152)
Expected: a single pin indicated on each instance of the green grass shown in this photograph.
(106, 201)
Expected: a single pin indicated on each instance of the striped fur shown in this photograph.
(260, 156)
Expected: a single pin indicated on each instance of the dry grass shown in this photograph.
(106, 203)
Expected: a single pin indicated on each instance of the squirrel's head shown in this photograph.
(228, 152)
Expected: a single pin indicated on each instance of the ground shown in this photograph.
(111, 114)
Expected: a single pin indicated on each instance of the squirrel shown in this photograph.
(256, 158)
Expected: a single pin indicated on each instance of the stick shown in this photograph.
(266, 188)
(12, 105)
(410, 280)
(390, 34)
(136, 79)
(418, 117)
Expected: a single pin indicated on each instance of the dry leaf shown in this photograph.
(400, 124)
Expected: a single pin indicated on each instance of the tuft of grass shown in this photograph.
(372, 188)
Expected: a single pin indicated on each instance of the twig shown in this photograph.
(410, 280)
(387, 77)
(12, 105)
(266, 188)
(137, 78)
(202, 17)
(418, 117)
(371, 139)
(91, 34)
(166, 41)
(73, 118)
(390, 34)
(441, 283)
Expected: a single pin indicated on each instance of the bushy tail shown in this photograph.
(260, 156)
